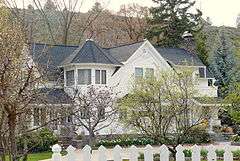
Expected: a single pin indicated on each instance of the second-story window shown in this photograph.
(70, 78)
(202, 72)
(84, 76)
(149, 72)
(138, 73)
(100, 77)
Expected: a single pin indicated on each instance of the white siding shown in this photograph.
(145, 57)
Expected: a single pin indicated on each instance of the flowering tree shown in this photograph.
(163, 109)
(16, 78)
(95, 110)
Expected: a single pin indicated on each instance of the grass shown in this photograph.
(39, 156)
(36, 156)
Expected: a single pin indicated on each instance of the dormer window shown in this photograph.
(202, 72)
(84, 76)
(70, 78)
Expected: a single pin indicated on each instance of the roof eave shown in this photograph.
(101, 64)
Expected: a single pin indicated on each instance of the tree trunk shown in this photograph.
(12, 130)
(91, 139)
(173, 151)
(25, 150)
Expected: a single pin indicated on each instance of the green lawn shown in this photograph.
(39, 156)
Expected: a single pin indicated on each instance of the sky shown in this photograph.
(221, 12)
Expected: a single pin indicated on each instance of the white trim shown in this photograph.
(155, 54)
(90, 64)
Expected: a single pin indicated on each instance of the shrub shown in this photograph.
(236, 153)
(220, 153)
(38, 141)
(187, 152)
(235, 138)
(125, 141)
(204, 153)
(197, 135)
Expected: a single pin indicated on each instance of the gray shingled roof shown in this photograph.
(179, 56)
(176, 56)
(123, 52)
(49, 57)
(52, 96)
(90, 52)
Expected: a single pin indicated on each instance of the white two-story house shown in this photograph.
(73, 67)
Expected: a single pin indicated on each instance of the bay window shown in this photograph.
(104, 79)
(84, 76)
(70, 78)
(100, 77)
(97, 76)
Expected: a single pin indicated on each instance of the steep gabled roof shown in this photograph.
(179, 56)
(124, 52)
(90, 52)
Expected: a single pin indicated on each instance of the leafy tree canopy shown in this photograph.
(233, 98)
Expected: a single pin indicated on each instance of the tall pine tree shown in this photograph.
(223, 65)
(170, 19)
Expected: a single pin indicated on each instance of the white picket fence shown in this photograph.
(148, 152)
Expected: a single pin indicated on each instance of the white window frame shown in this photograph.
(101, 76)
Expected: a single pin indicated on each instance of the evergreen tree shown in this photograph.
(223, 65)
(170, 19)
(97, 8)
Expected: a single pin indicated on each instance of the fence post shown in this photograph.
(180, 155)
(133, 153)
(228, 155)
(148, 153)
(87, 153)
(211, 156)
(117, 151)
(102, 153)
(71, 153)
(56, 149)
(196, 156)
(164, 153)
